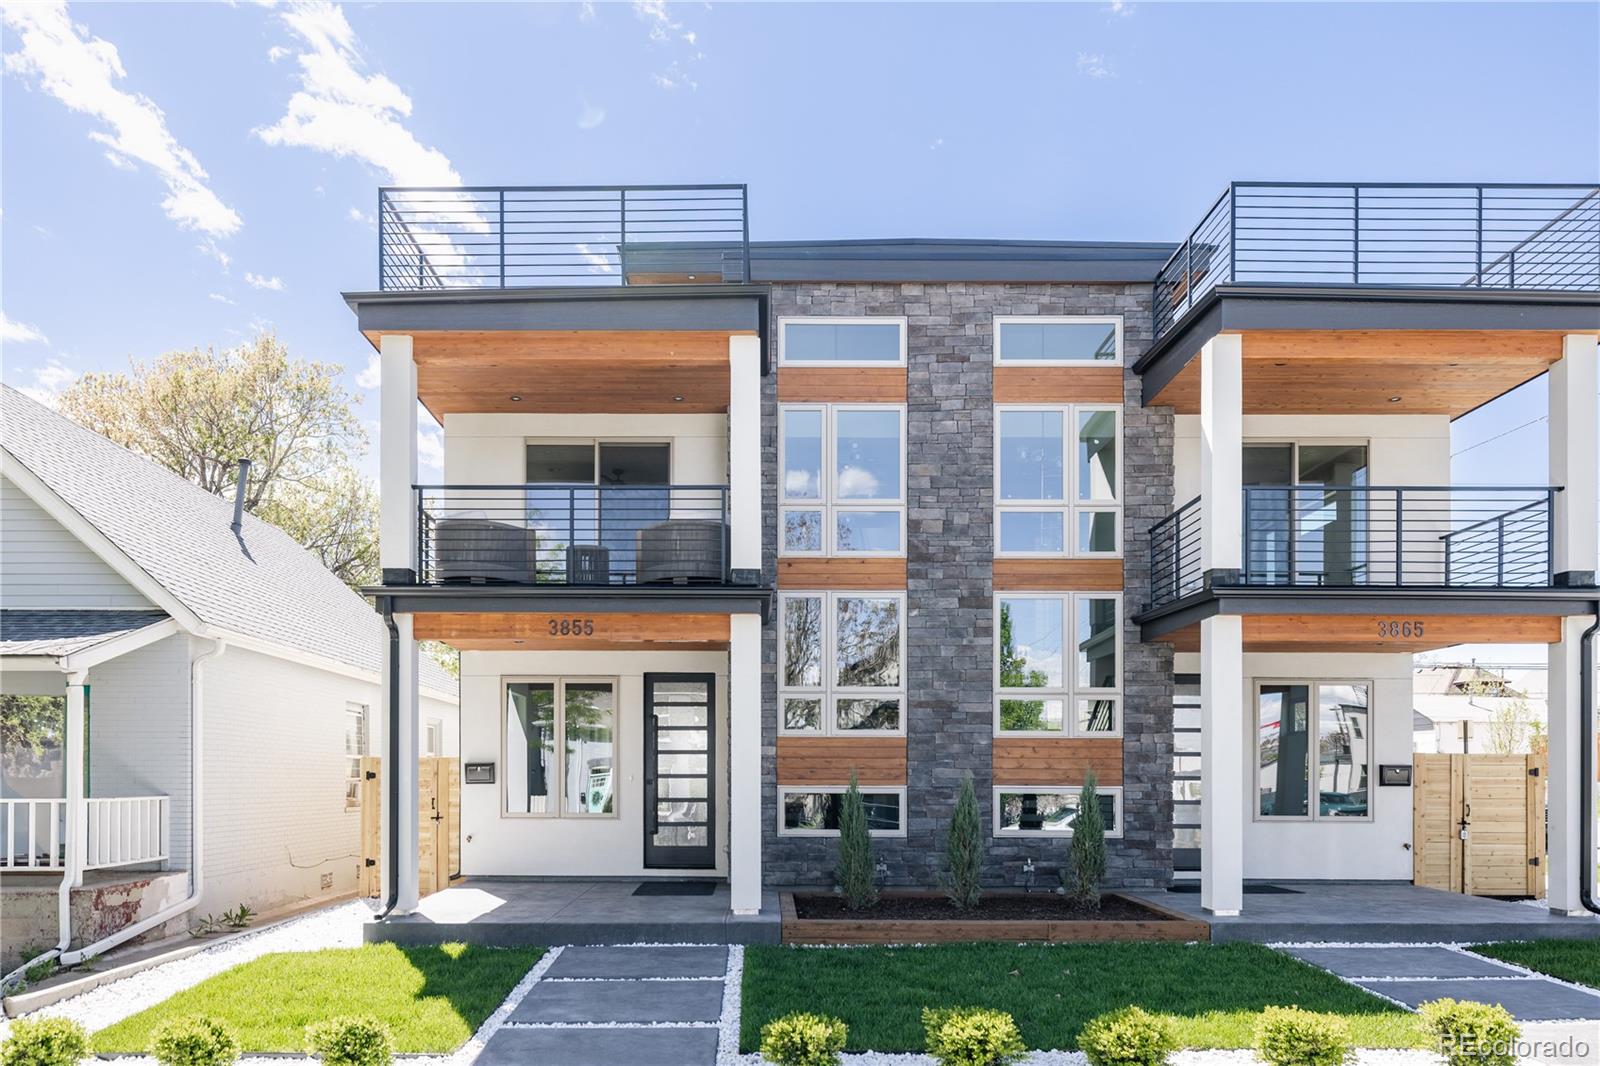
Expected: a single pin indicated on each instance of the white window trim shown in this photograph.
(362, 715)
(1115, 792)
(429, 727)
(835, 790)
(559, 681)
(1049, 320)
(1314, 708)
(842, 320)
(1070, 507)
(1069, 693)
(829, 693)
(828, 503)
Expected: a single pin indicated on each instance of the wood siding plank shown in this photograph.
(850, 573)
(862, 384)
(829, 760)
(1058, 384)
(1053, 761)
(1050, 575)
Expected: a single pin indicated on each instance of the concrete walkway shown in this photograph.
(599, 1006)
(1411, 974)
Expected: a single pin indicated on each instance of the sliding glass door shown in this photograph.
(1306, 514)
(590, 534)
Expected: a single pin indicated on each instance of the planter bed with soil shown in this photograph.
(928, 918)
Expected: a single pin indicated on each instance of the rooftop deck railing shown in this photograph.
(1498, 237)
(499, 237)
(1345, 536)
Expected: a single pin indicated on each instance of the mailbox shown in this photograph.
(1395, 774)
(479, 773)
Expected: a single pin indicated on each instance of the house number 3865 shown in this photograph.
(1399, 629)
(572, 627)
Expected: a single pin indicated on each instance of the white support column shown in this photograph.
(1221, 453)
(744, 763)
(397, 455)
(1565, 813)
(1222, 769)
(406, 726)
(74, 750)
(744, 453)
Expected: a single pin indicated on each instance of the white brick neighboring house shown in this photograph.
(129, 602)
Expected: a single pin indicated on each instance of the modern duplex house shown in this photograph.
(723, 523)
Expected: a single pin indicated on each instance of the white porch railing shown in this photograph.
(116, 831)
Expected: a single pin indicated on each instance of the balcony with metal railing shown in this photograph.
(1468, 538)
(1492, 238)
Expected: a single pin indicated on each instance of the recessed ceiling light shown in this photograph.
(1394, 399)
(677, 399)
(516, 399)
(691, 277)
(519, 642)
(1280, 364)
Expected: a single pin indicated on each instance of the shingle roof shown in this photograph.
(64, 632)
(260, 583)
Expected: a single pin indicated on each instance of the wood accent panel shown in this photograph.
(501, 631)
(858, 573)
(1164, 924)
(1052, 761)
(1360, 633)
(1050, 575)
(1441, 372)
(1058, 384)
(829, 760)
(857, 384)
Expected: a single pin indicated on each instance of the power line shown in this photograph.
(1497, 436)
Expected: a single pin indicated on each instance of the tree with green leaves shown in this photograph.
(964, 849)
(31, 733)
(1088, 846)
(1015, 714)
(856, 868)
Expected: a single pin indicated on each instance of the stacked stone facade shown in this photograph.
(950, 596)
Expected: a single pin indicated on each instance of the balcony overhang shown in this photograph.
(659, 349)
(1313, 349)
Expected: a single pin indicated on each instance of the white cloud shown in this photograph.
(590, 116)
(1094, 65)
(371, 375)
(209, 247)
(858, 483)
(674, 77)
(799, 485)
(355, 214)
(935, 144)
(14, 332)
(343, 110)
(1119, 7)
(430, 448)
(221, 299)
(258, 281)
(667, 30)
(586, 11)
(277, 52)
(82, 71)
(49, 381)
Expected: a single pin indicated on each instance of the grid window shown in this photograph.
(1058, 664)
(841, 668)
(842, 481)
(1058, 481)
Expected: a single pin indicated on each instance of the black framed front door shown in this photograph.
(679, 771)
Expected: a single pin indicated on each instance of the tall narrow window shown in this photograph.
(1058, 481)
(580, 779)
(356, 743)
(840, 663)
(1313, 750)
(1058, 665)
(843, 480)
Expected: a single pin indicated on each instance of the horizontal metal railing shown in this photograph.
(572, 534)
(1507, 237)
(1341, 536)
(497, 237)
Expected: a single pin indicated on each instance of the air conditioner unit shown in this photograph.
(588, 564)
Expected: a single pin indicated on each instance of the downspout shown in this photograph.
(391, 850)
(1586, 741)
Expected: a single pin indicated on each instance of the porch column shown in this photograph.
(1573, 446)
(1222, 769)
(1221, 456)
(397, 460)
(744, 458)
(403, 725)
(74, 749)
(744, 763)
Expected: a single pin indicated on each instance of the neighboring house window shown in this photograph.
(813, 811)
(842, 481)
(873, 341)
(355, 747)
(1058, 481)
(433, 746)
(841, 668)
(1032, 340)
(1049, 811)
(573, 776)
(1313, 750)
(1058, 662)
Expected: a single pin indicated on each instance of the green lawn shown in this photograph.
(433, 998)
(1570, 960)
(1212, 991)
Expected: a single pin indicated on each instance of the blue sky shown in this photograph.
(178, 175)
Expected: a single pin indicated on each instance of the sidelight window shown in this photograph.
(561, 747)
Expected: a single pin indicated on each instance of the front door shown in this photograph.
(679, 768)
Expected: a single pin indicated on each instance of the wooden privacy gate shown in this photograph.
(438, 824)
(1477, 824)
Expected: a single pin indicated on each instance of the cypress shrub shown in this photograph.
(856, 868)
(964, 849)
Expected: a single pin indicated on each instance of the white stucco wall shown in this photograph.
(494, 843)
(487, 449)
(44, 567)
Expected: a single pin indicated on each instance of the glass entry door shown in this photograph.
(679, 768)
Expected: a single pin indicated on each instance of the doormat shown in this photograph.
(676, 888)
(1249, 890)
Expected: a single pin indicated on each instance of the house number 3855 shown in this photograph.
(572, 627)
(1399, 629)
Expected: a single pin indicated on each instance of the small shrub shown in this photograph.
(1471, 1034)
(1289, 1036)
(964, 849)
(972, 1036)
(45, 1042)
(358, 1041)
(803, 1039)
(1131, 1036)
(205, 926)
(1088, 846)
(239, 918)
(855, 851)
(196, 1040)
